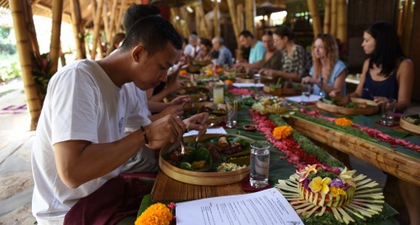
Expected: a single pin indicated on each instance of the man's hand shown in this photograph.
(164, 130)
(180, 100)
(198, 122)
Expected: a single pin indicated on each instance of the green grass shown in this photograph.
(9, 67)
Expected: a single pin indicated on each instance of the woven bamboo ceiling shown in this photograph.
(43, 7)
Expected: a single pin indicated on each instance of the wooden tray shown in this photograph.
(196, 93)
(201, 178)
(409, 126)
(349, 111)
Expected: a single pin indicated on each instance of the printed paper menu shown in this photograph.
(267, 207)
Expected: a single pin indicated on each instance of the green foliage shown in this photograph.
(9, 67)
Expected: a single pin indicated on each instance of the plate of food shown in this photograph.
(217, 112)
(356, 106)
(197, 94)
(217, 159)
(411, 123)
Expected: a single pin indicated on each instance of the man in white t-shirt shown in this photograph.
(80, 142)
(193, 47)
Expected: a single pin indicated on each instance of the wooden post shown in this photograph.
(327, 17)
(55, 49)
(96, 28)
(216, 25)
(250, 15)
(233, 17)
(333, 30)
(19, 14)
(316, 21)
(79, 38)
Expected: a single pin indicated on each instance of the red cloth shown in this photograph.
(116, 199)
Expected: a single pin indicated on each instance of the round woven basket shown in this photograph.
(201, 178)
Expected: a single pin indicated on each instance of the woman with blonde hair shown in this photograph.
(328, 73)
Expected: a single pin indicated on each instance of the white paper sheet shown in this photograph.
(240, 85)
(217, 130)
(312, 98)
(267, 207)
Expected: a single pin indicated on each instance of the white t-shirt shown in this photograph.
(189, 50)
(82, 104)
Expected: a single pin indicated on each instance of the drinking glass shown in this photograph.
(306, 93)
(276, 90)
(388, 110)
(232, 104)
(218, 92)
(260, 162)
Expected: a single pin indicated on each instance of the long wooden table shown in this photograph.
(386, 159)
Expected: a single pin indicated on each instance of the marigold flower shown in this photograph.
(320, 185)
(219, 70)
(343, 122)
(282, 132)
(156, 214)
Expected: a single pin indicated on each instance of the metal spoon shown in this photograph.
(370, 93)
(182, 146)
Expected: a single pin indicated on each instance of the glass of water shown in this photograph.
(388, 110)
(306, 94)
(260, 162)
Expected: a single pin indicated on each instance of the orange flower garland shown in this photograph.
(282, 132)
(156, 214)
(343, 122)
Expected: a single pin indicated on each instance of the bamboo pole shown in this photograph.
(112, 22)
(120, 15)
(216, 25)
(233, 13)
(327, 17)
(185, 18)
(240, 16)
(17, 9)
(77, 32)
(96, 28)
(198, 19)
(106, 29)
(316, 21)
(342, 21)
(203, 23)
(250, 15)
(177, 23)
(333, 30)
(55, 49)
(407, 25)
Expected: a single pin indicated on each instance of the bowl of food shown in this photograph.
(218, 159)
(250, 127)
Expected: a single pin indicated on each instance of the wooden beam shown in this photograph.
(316, 21)
(112, 22)
(55, 49)
(407, 25)
(250, 15)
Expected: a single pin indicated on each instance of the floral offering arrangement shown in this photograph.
(343, 122)
(157, 214)
(270, 105)
(319, 188)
